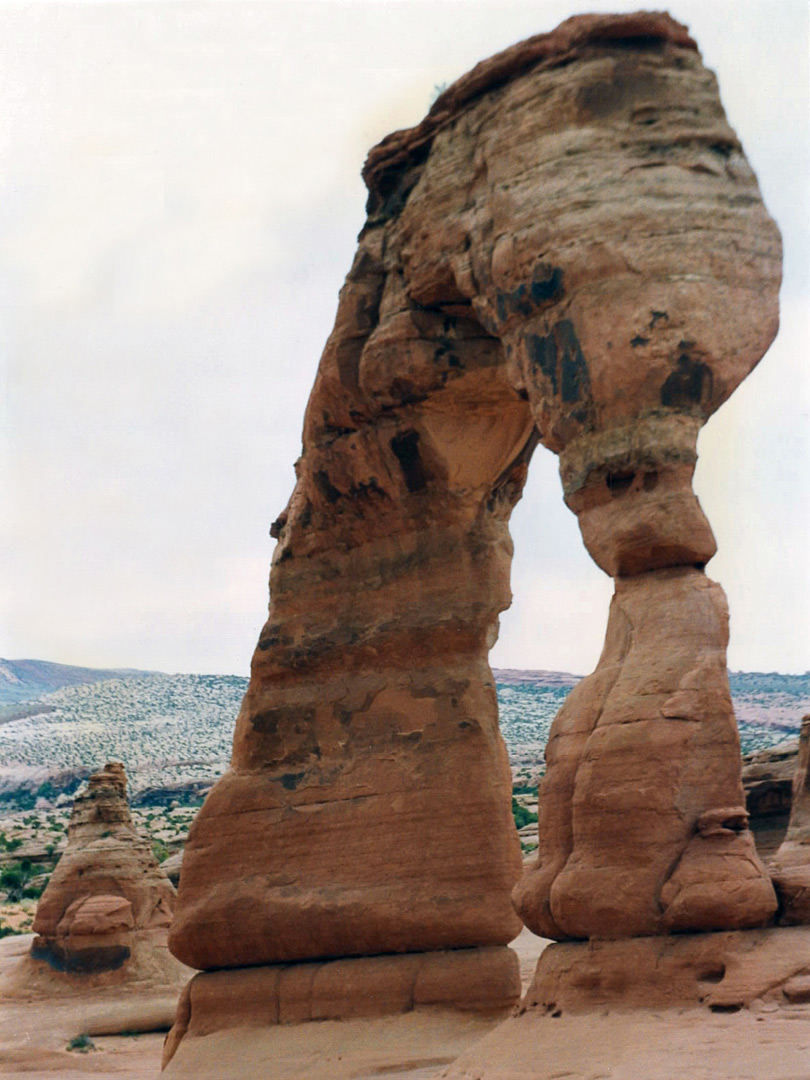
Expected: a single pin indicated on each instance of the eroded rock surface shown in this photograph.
(485, 981)
(767, 777)
(571, 249)
(790, 866)
(107, 899)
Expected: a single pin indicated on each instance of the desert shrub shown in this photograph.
(15, 880)
(82, 1043)
(524, 789)
(521, 815)
(159, 850)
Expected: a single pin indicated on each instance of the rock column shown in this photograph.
(790, 866)
(108, 904)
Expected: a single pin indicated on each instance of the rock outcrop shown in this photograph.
(107, 899)
(767, 777)
(790, 866)
(570, 249)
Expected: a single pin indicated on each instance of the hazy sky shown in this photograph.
(180, 200)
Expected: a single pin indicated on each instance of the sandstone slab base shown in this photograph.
(723, 972)
(35, 1031)
(481, 981)
(702, 1006)
(675, 1044)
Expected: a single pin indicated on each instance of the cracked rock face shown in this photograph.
(107, 898)
(570, 249)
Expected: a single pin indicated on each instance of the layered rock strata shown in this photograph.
(723, 972)
(790, 866)
(483, 981)
(571, 249)
(108, 905)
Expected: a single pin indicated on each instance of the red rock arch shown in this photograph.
(570, 248)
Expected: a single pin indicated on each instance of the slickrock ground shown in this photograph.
(653, 1044)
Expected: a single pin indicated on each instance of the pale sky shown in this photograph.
(180, 201)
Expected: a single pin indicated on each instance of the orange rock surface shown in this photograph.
(107, 899)
(790, 866)
(572, 249)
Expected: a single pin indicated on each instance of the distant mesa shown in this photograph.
(26, 680)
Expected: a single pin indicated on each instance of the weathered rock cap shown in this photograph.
(412, 145)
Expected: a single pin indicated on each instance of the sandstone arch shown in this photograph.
(570, 248)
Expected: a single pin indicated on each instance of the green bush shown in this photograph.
(15, 880)
(159, 850)
(82, 1043)
(521, 815)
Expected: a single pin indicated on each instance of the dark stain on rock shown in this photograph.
(656, 317)
(520, 302)
(326, 487)
(545, 287)
(619, 482)
(291, 780)
(405, 447)
(543, 354)
(267, 722)
(688, 385)
(445, 353)
(392, 186)
(639, 340)
(559, 357)
(547, 283)
(278, 525)
(367, 490)
(87, 961)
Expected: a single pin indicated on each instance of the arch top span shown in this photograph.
(571, 249)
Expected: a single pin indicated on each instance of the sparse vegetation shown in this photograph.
(160, 851)
(438, 90)
(521, 815)
(16, 880)
(82, 1043)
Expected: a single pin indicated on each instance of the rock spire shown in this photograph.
(107, 898)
